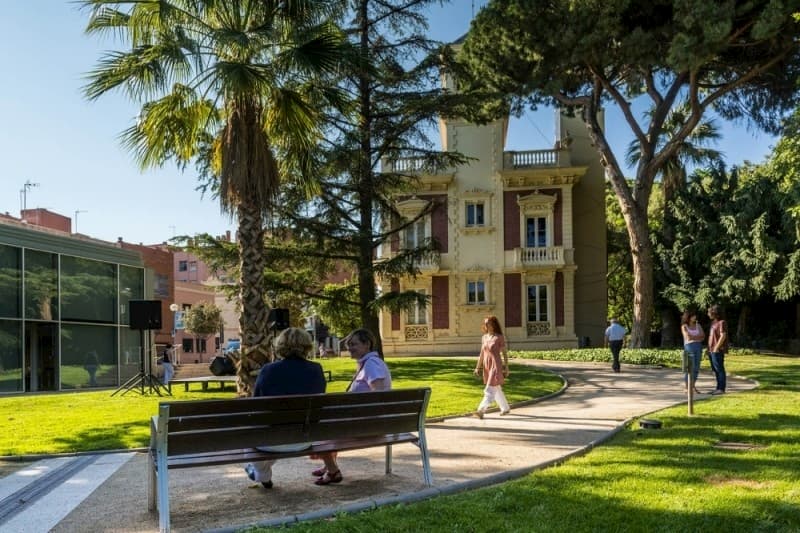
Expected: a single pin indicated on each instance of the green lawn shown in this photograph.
(673, 479)
(86, 421)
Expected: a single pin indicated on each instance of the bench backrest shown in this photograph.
(218, 425)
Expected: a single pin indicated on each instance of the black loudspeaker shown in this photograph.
(278, 319)
(145, 314)
(222, 366)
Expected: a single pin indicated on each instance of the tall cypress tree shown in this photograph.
(395, 99)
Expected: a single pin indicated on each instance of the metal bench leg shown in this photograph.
(389, 459)
(426, 460)
(163, 493)
(151, 483)
(186, 386)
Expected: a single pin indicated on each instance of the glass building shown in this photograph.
(64, 312)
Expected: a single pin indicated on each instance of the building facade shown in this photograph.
(521, 235)
(64, 321)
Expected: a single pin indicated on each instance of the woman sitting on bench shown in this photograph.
(292, 373)
(372, 374)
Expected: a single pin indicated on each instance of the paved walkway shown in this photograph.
(108, 492)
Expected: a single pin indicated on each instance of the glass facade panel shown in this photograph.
(88, 290)
(131, 287)
(130, 347)
(11, 356)
(41, 285)
(88, 356)
(10, 282)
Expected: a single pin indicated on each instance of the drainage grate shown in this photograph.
(17, 502)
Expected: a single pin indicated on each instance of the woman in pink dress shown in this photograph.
(493, 367)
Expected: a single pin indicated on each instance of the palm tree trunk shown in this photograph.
(253, 318)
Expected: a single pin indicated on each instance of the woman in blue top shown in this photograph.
(372, 374)
(291, 374)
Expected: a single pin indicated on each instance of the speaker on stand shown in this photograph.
(145, 315)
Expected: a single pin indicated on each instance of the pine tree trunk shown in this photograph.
(669, 328)
(366, 275)
(253, 318)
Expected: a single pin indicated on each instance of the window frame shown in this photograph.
(538, 299)
(420, 314)
(476, 282)
(477, 208)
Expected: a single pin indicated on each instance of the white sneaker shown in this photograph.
(504, 413)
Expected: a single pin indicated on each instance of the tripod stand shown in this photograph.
(144, 380)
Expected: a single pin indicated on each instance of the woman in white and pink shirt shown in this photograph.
(693, 337)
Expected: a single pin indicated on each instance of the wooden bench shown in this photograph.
(199, 433)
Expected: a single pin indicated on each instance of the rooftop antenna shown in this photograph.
(23, 195)
(77, 212)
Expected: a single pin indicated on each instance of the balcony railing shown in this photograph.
(536, 158)
(430, 263)
(410, 165)
(544, 256)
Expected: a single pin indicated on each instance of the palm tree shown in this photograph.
(228, 84)
(692, 151)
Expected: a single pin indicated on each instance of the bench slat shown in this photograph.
(225, 438)
(251, 454)
(240, 405)
(290, 414)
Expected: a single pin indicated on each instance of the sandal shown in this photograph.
(319, 472)
(329, 478)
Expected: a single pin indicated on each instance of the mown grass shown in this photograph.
(91, 421)
(677, 478)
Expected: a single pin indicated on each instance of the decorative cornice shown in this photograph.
(477, 193)
(435, 182)
(540, 177)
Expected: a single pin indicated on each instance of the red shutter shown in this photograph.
(439, 224)
(510, 211)
(395, 315)
(440, 286)
(511, 288)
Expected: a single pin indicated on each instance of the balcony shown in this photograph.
(549, 256)
(426, 265)
(431, 177)
(536, 159)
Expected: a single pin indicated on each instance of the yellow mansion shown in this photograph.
(521, 235)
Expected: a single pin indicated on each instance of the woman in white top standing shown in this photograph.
(693, 336)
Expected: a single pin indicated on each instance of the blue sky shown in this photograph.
(54, 137)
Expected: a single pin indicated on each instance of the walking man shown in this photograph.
(615, 334)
